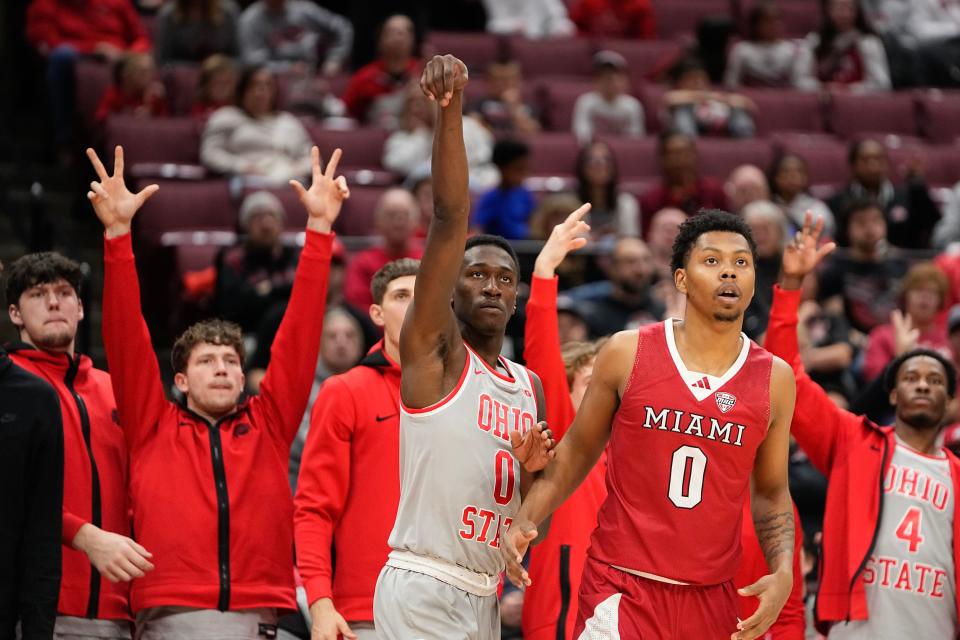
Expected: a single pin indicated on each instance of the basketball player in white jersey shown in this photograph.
(469, 434)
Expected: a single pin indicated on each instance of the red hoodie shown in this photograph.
(556, 563)
(854, 454)
(83, 24)
(212, 501)
(94, 476)
(349, 485)
(373, 81)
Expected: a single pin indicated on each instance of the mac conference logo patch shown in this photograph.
(725, 401)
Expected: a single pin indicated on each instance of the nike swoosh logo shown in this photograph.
(477, 372)
(387, 417)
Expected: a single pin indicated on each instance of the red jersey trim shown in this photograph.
(500, 359)
(446, 400)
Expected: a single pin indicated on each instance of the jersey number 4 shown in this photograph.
(687, 469)
(909, 529)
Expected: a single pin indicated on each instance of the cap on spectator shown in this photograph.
(953, 318)
(260, 202)
(607, 59)
(566, 304)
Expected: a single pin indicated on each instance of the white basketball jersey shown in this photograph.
(459, 480)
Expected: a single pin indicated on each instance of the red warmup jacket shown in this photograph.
(615, 18)
(212, 501)
(360, 271)
(349, 485)
(83, 24)
(94, 476)
(372, 81)
(854, 454)
(792, 621)
(556, 563)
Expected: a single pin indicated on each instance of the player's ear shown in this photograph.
(680, 280)
(893, 397)
(180, 380)
(376, 315)
(14, 312)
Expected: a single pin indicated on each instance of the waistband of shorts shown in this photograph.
(650, 576)
(479, 584)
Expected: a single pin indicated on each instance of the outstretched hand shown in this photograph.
(442, 77)
(324, 199)
(801, 256)
(535, 448)
(513, 546)
(113, 203)
(566, 237)
(772, 590)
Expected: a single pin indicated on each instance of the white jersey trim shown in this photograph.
(650, 576)
(479, 584)
(703, 385)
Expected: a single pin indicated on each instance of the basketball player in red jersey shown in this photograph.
(696, 417)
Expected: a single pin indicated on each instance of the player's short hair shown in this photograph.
(212, 331)
(41, 268)
(577, 355)
(497, 241)
(705, 221)
(390, 272)
(893, 369)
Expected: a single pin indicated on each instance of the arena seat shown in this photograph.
(851, 114)
(553, 57)
(477, 50)
(642, 56)
(180, 81)
(186, 205)
(362, 147)
(636, 157)
(678, 18)
(92, 79)
(785, 110)
(174, 140)
(940, 116)
(552, 154)
(719, 156)
(826, 156)
(558, 99)
(357, 217)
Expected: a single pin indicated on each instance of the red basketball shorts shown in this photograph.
(616, 604)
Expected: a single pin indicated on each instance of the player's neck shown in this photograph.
(487, 347)
(706, 345)
(922, 440)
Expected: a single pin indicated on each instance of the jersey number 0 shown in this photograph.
(686, 477)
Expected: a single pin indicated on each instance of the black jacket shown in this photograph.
(31, 502)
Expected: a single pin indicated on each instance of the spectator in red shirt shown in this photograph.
(98, 557)
(681, 186)
(209, 484)
(349, 484)
(396, 219)
(614, 18)
(135, 90)
(375, 93)
(62, 30)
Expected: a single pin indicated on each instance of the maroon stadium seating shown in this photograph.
(676, 18)
(642, 56)
(559, 97)
(180, 205)
(181, 83)
(826, 156)
(552, 154)
(941, 116)
(786, 110)
(175, 140)
(850, 114)
(553, 57)
(357, 217)
(719, 156)
(92, 80)
(362, 147)
(477, 50)
(636, 157)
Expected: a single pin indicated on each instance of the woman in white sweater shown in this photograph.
(253, 139)
(843, 53)
(765, 58)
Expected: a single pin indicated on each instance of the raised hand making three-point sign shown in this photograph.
(114, 204)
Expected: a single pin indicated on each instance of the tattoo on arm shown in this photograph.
(775, 531)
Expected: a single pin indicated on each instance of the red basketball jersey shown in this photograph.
(679, 462)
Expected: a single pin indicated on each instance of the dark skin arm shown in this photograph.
(772, 508)
(577, 452)
(431, 346)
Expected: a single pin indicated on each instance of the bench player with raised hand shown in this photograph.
(697, 418)
(469, 436)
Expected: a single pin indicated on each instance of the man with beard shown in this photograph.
(624, 301)
(697, 418)
(890, 538)
(99, 557)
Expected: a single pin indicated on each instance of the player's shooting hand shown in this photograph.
(114, 204)
(566, 237)
(513, 546)
(801, 256)
(117, 557)
(328, 624)
(324, 199)
(772, 590)
(535, 448)
(442, 77)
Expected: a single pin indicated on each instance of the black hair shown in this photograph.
(482, 239)
(683, 66)
(705, 221)
(857, 146)
(583, 191)
(893, 369)
(506, 151)
(759, 11)
(41, 268)
(667, 135)
(777, 163)
(246, 77)
(858, 204)
(828, 32)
